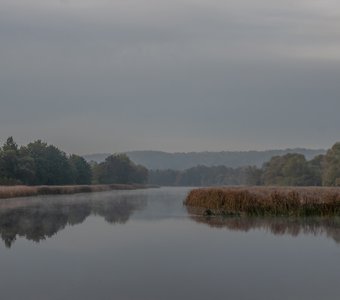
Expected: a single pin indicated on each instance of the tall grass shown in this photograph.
(262, 201)
(25, 191)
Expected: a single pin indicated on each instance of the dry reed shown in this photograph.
(262, 201)
(26, 191)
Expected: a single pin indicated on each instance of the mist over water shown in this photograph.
(146, 245)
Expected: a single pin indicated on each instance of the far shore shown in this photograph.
(28, 191)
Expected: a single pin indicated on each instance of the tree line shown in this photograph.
(38, 163)
(200, 176)
(290, 169)
(295, 170)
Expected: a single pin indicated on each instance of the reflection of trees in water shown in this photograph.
(276, 225)
(40, 220)
(118, 211)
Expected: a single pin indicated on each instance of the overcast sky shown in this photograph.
(175, 75)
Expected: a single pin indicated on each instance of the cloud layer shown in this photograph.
(185, 75)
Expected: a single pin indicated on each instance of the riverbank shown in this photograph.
(27, 191)
(266, 201)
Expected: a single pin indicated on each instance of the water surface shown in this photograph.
(145, 245)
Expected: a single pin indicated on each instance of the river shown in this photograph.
(145, 244)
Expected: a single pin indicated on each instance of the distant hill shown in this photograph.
(181, 161)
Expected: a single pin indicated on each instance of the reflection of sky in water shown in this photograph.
(145, 245)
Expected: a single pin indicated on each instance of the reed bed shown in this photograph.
(26, 191)
(266, 201)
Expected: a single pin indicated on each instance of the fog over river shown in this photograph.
(145, 244)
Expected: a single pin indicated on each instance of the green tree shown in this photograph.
(81, 170)
(26, 167)
(316, 166)
(51, 164)
(290, 169)
(118, 168)
(9, 162)
(139, 174)
(164, 177)
(331, 166)
(253, 175)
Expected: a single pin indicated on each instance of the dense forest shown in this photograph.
(295, 170)
(289, 169)
(118, 168)
(201, 176)
(41, 164)
(158, 160)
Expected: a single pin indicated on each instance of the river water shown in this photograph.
(144, 244)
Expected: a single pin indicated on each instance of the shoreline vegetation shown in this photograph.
(291, 169)
(28, 191)
(265, 201)
(38, 163)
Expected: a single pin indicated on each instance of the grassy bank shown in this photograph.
(266, 201)
(26, 191)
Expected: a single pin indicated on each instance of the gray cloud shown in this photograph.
(95, 76)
